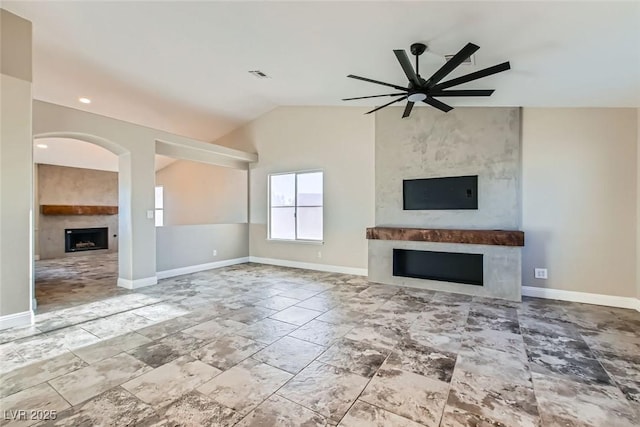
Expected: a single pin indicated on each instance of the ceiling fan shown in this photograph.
(427, 90)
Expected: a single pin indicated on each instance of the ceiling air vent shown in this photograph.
(258, 74)
(469, 61)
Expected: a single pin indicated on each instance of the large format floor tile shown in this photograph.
(227, 351)
(116, 407)
(363, 414)
(278, 411)
(169, 382)
(565, 402)
(90, 381)
(410, 395)
(325, 389)
(289, 354)
(246, 385)
(22, 408)
(258, 345)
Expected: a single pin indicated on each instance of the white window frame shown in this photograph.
(295, 205)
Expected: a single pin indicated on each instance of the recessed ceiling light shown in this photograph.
(42, 146)
(84, 100)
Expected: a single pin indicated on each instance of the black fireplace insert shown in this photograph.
(86, 239)
(444, 266)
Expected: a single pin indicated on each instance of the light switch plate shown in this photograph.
(150, 214)
(540, 273)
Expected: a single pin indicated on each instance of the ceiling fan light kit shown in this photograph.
(421, 90)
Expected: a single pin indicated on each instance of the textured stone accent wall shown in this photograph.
(59, 185)
(431, 144)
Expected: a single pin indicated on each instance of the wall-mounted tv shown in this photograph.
(458, 192)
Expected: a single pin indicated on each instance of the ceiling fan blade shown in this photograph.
(452, 64)
(373, 96)
(387, 104)
(407, 109)
(467, 92)
(474, 76)
(405, 63)
(438, 104)
(377, 82)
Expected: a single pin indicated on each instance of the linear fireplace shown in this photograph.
(444, 266)
(86, 239)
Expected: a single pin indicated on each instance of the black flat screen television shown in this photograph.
(458, 192)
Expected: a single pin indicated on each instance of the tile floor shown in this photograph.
(255, 345)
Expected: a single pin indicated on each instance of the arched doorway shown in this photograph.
(77, 226)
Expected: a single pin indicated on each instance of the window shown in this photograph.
(295, 206)
(159, 206)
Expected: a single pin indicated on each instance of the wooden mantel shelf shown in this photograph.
(474, 237)
(78, 210)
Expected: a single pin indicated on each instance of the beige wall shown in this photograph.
(16, 171)
(199, 193)
(580, 199)
(339, 141)
(59, 185)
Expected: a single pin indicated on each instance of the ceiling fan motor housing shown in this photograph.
(418, 48)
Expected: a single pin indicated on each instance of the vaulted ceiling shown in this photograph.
(183, 66)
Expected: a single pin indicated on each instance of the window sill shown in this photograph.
(302, 242)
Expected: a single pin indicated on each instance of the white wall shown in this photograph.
(338, 140)
(580, 188)
(199, 193)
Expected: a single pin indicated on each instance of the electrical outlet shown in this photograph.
(319, 254)
(215, 252)
(540, 273)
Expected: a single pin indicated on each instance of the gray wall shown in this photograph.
(200, 193)
(188, 245)
(465, 141)
(60, 185)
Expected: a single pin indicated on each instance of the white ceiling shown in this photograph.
(182, 66)
(80, 154)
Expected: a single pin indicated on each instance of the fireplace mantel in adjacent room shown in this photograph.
(78, 210)
(474, 237)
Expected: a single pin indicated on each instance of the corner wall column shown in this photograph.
(137, 233)
(16, 172)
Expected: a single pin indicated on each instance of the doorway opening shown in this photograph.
(76, 222)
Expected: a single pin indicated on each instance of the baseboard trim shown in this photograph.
(16, 320)
(582, 297)
(310, 266)
(138, 283)
(200, 267)
(36, 257)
